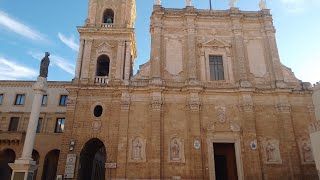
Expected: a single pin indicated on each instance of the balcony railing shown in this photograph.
(101, 80)
(314, 127)
(100, 25)
(11, 137)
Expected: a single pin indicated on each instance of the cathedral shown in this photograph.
(214, 102)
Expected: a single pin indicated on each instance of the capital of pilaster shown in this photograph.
(194, 104)
(41, 85)
(156, 103)
(314, 127)
(246, 107)
(283, 108)
(125, 102)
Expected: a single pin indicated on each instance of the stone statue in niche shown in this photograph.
(44, 65)
(175, 150)
(307, 152)
(270, 149)
(137, 150)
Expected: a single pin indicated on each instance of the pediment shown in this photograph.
(215, 42)
(104, 48)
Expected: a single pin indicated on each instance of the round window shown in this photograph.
(98, 111)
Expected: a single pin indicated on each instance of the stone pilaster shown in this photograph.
(239, 48)
(191, 46)
(156, 136)
(86, 60)
(79, 59)
(273, 49)
(127, 62)
(156, 44)
(120, 61)
(251, 156)
(123, 135)
(290, 156)
(194, 134)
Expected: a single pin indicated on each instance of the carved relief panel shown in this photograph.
(137, 146)
(176, 150)
(271, 151)
(306, 152)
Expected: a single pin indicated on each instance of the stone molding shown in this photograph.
(194, 104)
(156, 103)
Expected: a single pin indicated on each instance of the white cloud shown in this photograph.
(69, 41)
(10, 70)
(56, 60)
(17, 27)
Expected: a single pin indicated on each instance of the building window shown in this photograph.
(216, 68)
(20, 98)
(103, 64)
(13, 126)
(59, 125)
(63, 100)
(1, 99)
(39, 125)
(44, 100)
(108, 16)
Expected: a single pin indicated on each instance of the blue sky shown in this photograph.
(30, 28)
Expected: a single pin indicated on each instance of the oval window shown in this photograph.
(98, 111)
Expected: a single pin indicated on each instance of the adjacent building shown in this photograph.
(213, 102)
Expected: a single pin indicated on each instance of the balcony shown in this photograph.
(101, 80)
(7, 137)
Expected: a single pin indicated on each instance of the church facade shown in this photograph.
(213, 102)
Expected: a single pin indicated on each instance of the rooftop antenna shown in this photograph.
(210, 4)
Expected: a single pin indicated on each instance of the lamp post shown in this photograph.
(24, 167)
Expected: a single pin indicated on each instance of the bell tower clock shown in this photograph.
(107, 42)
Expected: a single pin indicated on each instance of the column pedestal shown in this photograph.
(24, 167)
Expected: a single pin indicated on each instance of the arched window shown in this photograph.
(108, 16)
(103, 64)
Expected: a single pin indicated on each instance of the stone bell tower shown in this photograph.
(107, 42)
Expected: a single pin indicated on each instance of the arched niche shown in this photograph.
(50, 165)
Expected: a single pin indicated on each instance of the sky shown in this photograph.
(30, 28)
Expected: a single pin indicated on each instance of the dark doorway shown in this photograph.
(6, 156)
(50, 165)
(92, 161)
(36, 158)
(225, 161)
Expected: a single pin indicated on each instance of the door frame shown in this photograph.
(224, 137)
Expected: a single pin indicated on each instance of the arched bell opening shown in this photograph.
(103, 64)
(108, 16)
(6, 156)
(50, 165)
(92, 161)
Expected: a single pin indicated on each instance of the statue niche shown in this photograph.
(176, 150)
(137, 150)
(306, 152)
(272, 151)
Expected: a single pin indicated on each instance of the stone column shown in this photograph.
(123, 147)
(156, 136)
(239, 50)
(193, 155)
(24, 167)
(79, 60)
